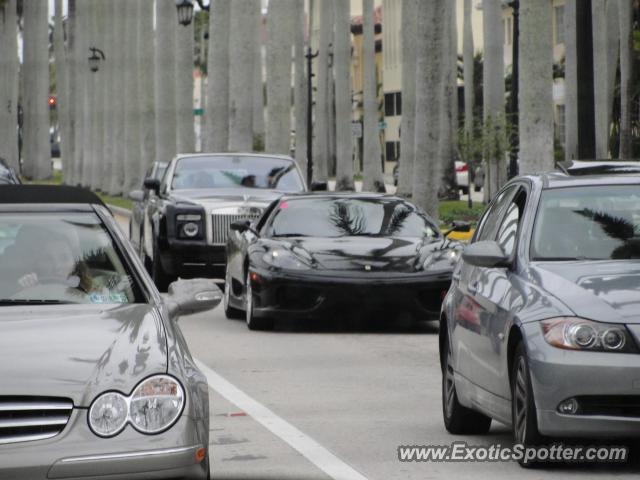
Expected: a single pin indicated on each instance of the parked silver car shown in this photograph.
(541, 327)
(97, 380)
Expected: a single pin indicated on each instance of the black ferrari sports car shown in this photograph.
(317, 255)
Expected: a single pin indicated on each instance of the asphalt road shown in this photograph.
(308, 399)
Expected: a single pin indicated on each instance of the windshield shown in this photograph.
(595, 223)
(235, 172)
(61, 258)
(345, 217)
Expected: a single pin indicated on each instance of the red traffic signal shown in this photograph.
(52, 101)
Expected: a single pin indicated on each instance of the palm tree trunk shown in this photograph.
(493, 92)
(321, 134)
(468, 67)
(241, 71)
(536, 101)
(373, 179)
(165, 73)
(331, 93)
(449, 113)
(89, 110)
(430, 67)
(216, 134)
(280, 33)
(132, 108)
(407, 137)
(37, 153)
(185, 51)
(118, 97)
(571, 82)
(9, 75)
(107, 72)
(258, 85)
(147, 85)
(601, 76)
(300, 93)
(100, 98)
(625, 12)
(342, 66)
(77, 87)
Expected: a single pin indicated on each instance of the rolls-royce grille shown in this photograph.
(220, 224)
(24, 419)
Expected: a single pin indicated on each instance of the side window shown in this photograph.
(490, 222)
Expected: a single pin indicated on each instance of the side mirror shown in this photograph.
(192, 296)
(487, 254)
(152, 184)
(458, 226)
(136, 195)
(319, 186)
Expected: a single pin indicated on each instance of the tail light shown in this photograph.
(462, 168)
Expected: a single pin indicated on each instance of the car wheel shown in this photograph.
(464, 190)
(459, 419)
(523, 411)
(160, 277)
(254, 323)
(229, 311)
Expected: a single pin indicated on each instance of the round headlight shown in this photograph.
(583, 335)
(156, 404)
(613, 339)
(190, 229)
(108, 414)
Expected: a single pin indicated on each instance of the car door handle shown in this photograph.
(473, 288)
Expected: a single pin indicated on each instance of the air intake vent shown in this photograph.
(25, 419)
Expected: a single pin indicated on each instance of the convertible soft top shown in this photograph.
(47, 194)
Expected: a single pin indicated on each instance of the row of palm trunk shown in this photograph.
(139, 106)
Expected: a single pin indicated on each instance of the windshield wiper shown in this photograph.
(16, 301)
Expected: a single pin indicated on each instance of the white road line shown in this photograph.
(305, 445)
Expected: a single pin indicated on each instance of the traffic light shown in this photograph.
(52, 102)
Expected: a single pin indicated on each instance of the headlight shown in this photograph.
(190, 229)
(189, 225)
(575, 333)
(108, 414)
(285, 259)
(441, 259)
(156, 404)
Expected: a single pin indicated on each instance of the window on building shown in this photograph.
(392, 104)
(392, 151)
(560, 123)
(559, 14)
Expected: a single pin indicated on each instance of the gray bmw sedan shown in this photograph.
(97, 380)
(541, 327)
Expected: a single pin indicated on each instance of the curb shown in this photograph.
(123, 212)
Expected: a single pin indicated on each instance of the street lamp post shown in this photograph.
(94, 59)
(185, 10)
(310, 56)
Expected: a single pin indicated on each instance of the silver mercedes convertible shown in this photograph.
(97, 380)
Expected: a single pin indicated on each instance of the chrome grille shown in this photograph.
(220, 224)
(23, 419)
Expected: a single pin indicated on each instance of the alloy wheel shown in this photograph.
(449, 391)
(248, 300)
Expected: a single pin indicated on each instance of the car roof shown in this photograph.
(576, 173)
(355, 195)
(233, 154)
(47, 195)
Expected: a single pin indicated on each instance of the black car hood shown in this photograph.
(79, 351)
(376, 254)
(601, 290)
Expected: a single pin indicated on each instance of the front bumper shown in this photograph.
(78, 453)
(293, 295)
(193, 259)
(557, 375)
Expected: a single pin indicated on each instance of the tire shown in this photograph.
(160, 277)
(254, 323)
(231, 312)
(459, 419)
(523, 410)
(464, 190)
